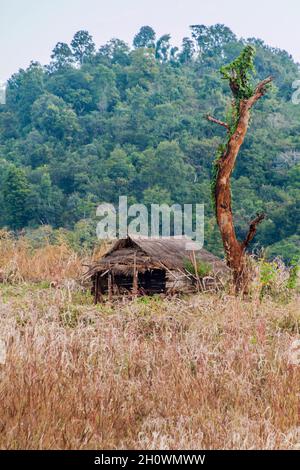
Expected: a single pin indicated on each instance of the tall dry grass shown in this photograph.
(209, 371)
(56, 263)
(20, 262)
(183, 374)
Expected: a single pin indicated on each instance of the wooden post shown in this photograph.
(109, 285)
(196, 270)
(113, 287)
(135, 277)
(100, 292)
(96, 286)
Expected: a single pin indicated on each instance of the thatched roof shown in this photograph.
(154, 253)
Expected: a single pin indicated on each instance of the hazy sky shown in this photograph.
(29, 29)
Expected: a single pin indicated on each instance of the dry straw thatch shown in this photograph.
(154, 253)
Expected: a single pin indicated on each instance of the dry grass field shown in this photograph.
(207, 371)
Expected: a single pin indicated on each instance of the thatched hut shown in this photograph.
(148, 266)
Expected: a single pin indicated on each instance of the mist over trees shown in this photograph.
(100, 122)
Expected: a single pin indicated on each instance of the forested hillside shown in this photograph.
(97, 123)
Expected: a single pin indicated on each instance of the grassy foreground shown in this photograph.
(206, 371)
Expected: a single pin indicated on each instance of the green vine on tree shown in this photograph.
(239, 74)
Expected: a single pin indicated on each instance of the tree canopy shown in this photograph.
(101, 122)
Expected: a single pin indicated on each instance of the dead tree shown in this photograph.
(238, 74)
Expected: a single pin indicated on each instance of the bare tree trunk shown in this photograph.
(234, 249)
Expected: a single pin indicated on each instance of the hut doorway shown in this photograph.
(152, 281)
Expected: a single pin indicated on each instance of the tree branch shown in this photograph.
(217, 121)
(260, 91)
(252, 229)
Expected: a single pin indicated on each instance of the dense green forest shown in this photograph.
(118, 120)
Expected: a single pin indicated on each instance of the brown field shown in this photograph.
(209, 371)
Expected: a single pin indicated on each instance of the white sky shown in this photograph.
(29, 29)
